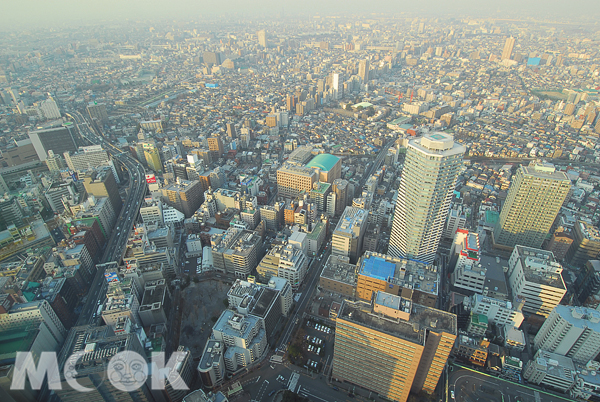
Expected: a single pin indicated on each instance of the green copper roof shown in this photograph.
(324, 162)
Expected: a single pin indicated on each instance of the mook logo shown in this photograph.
(126, 371)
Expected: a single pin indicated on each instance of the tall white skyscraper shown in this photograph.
(430, 170)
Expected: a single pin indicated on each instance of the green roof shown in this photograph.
(325, 162)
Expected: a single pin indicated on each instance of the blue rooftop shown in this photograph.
(378, 268)
(325, 162)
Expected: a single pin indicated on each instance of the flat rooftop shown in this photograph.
(539, 266)
(421, 319)
(351, 218)
(337, 270)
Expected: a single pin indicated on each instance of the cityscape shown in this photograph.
(288, 203)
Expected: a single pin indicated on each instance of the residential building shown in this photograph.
(428, 178)
(212, 365)
(534, 199)
(587, 286)
(498, 312)
(468, 273)
(184, 195)
(551, 370)
(535, 277)
(508, 48)
(340, 189)
(293, 265)
(101, 182)
(571, 331)
(349, 233)
(236, 251)
(478, 325)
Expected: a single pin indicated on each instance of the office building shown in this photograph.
(90, 370)
(57, 139)
(571, 331)
(101, 182)
(33, 314)
(508, 48)
(534, 199)
(428, 178)
(413, 341)
(468, 273)
(535, 277)
(586, 244)
(262, 38)
(98, 111)
(319, 195)
(215, 147)
(498, 312)
(293, 180)
(341, 189)
(185, 196)
(339, 276)
(87, 158)
(413, 280)
(156, 303)
(348, 235)
(587, 285)
(550, 370)
(328, 166)
(152, 156)
(363, 70)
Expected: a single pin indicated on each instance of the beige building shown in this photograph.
(534, 199)
(392, 346)
(349, 233)
(293, 180)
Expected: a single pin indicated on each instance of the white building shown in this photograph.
(571, 331)
(550, 370)
(587, 382)
(535, 277)
(293, 264)
(468, 273)
(499, 312)
(38, 313)
(428, 179)
(349, 233)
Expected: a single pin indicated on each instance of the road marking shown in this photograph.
(306, 393)
(293, 381)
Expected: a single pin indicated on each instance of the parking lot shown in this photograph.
(316, 339)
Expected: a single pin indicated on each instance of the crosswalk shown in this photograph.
(293, 382)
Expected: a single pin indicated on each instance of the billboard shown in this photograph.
(150, 178)
(111, 277)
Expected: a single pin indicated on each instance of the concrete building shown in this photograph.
(349, 233)
(571, 331)
(508, 48)
(587, 286)
(428, 178)
(412, 280)
(185, 196)
(468, 273)
(152, 156)
(339, 276)
(340, 189)
(244, 338)
(550, 370)
(534, 199)
(471, 350)
(57, 139)
(156, 303)
(586, 244)
(535, 277)
(413, 340)
(236, 252)
(33, 314)
(98, 111)
(293, 265)
(212, 365)
(478, 325)
(85, 158)
(499, 312)
(294, 180)
(101, 182)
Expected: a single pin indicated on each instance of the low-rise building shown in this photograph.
(550, 370)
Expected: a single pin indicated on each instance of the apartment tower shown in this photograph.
(429, 175)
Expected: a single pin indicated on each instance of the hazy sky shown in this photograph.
(25, 13)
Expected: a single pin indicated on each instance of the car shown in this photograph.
(336, 389)
(452, 394)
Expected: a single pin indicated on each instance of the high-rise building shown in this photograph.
(262, 38)
(340, 189)
(215, 146)
(508, 48)
(535, 277)
(152, 156)
(392, 346)
(534, 199)
(349, 233)
(363, 70)
(98, 111)
(185, 196)
(50, 109)
(231, 133)
(57, 139)
(468, 273)
(586, 244)
(101, 183)
(429, 175)
(571, 331)
(587, 286)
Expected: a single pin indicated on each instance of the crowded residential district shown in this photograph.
(331, 208)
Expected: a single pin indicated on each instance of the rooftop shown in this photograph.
(539, 266)
(352, 218)
(337, 270)
(325, 162)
